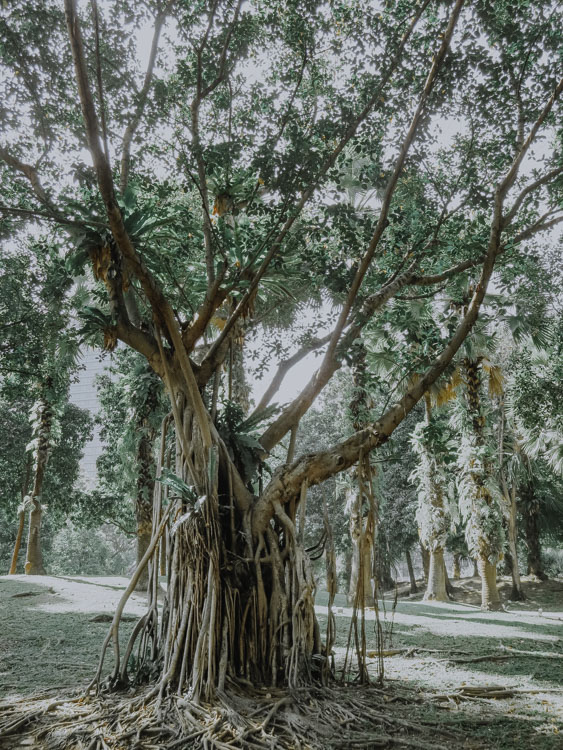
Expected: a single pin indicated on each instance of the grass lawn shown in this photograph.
(439, 655)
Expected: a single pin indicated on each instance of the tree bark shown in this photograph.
(17, 545)
(517, 594)
(425, 554)
(434, 519)
(450, 591)
(412, 578)
(530, 511)
(363, 528)
(508, 563)
(34, 561)
(21, 513)
(360, 575)
(34, 557)
(490, 599)
(475, 568)
(361, 572)
(436, 587)
(484, 522)
(144, 497)
(456, 574)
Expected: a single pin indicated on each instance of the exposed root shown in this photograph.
(252, 719)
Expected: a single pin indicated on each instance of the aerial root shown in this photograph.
(251, 719)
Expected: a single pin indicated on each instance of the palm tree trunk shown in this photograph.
(17, 545)
(412, 578)
(530, 511)
(457, 567)
(425, 561)
(436, 588)
(485, 516)
(34, 557)
(34, 561)
(490, 599)
(517, 594)
(21, 513)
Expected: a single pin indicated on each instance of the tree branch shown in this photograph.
(319, 466)
(285, 366)
(142, 99)
(160, 305)
(287, 419)
(508, 181)
(546, 178)
(50, 217)
(391, 185)
(99, 80)
(31, 173)
(310, 190)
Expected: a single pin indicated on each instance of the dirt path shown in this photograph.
(439, 655)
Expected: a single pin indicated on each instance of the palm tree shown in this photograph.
(479, 495)
(430, 442)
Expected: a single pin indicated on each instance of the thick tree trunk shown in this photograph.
(432, 514)
(384, 575)
(240, 595)
(360, 575)
(475, 568)
(412, 578)
(34, 557)
(239, 390)
(484, 522)
(144, 535)
(490, 599)
(363, 522)
(456, 574)
(507, 564)
(436, 587)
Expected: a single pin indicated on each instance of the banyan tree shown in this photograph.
(214, 176)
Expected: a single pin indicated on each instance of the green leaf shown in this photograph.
(176, 483)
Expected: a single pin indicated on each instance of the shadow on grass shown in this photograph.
(92, 583)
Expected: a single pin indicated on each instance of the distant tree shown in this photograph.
(430, 440)
(60, 487)
(41, 365)
(130, 417)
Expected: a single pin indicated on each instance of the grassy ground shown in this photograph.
(448, 648)
(50, 636)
